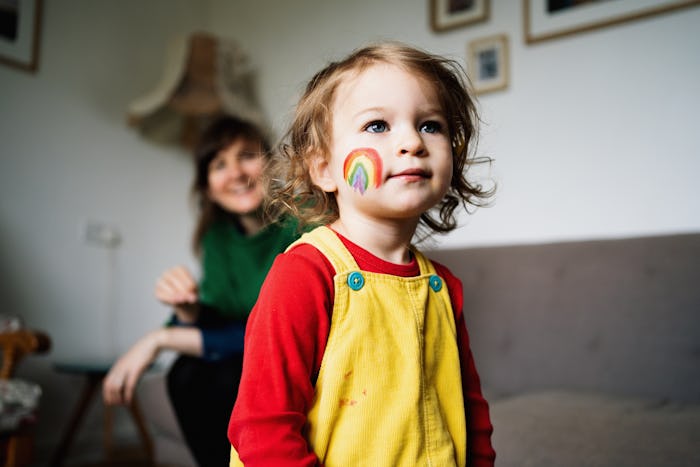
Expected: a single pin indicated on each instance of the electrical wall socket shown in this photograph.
(101, 234)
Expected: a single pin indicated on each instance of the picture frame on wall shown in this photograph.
(551, 19)
(451, 14)
(20, 25)
(487, 64)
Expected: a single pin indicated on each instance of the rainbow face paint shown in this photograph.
(363, 169)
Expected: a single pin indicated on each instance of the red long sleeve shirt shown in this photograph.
(284, 345)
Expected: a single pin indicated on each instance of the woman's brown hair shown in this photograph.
(219, 135)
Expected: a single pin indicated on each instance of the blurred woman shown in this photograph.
(236, 248)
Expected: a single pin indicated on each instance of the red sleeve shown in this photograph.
(284, 344)
(480, 452)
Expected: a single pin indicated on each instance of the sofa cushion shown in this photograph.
(555, 429)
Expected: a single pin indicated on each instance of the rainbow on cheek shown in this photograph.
(363, 169)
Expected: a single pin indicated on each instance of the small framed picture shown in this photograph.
(487, 63)
(20, 23)
(450, 14)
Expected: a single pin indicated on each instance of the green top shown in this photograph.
(234, 265)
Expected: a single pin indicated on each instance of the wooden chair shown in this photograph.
(16, 445)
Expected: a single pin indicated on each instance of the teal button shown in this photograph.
(435, 283)
(355, 280)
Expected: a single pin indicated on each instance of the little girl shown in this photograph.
(357, 352)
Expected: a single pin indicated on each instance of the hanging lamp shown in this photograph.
(204, 77)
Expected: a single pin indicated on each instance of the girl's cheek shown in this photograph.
(362, 169)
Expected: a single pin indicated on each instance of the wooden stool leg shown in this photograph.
(91, 384)
(108, 420)
(19, 450)
(146, 440)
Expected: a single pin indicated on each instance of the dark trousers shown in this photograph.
(202, 394)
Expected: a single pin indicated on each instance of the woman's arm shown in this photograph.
(223, 342)
(119, 384)
(178, 288)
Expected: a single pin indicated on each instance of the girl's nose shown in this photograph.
(411, 143)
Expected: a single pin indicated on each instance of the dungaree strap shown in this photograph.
(340, 258)
(332, 248)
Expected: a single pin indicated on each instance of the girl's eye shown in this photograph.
(376, 126)
(431, 127)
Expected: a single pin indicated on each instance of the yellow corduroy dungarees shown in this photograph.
(389, 391)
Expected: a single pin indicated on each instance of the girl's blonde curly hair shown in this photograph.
(292, 190)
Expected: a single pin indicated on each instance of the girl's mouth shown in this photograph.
(411, 175)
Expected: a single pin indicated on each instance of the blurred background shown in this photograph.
(595, 136)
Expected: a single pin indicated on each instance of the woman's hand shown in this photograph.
(178, 288)
(119, 384)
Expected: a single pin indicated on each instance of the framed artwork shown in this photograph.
(487, 63)
(20, 24)
(550, 19)
(450, 14)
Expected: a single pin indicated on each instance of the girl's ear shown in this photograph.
(320, 172)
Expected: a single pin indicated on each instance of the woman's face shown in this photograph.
(235, 177)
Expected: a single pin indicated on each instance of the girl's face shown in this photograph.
(391, 156)
(235, 177)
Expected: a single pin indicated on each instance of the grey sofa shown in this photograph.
(589, 352)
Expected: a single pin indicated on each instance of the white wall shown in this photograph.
(595, 137)
(67, 156)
